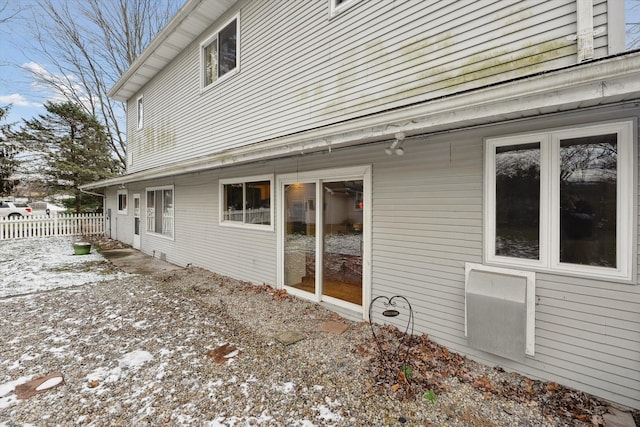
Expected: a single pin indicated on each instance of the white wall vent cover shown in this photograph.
(500, 310)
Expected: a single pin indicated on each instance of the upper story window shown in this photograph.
(337, 6)
(562, 201)
(140, 112)
(122, 202)
(247, 201)
(220, 53)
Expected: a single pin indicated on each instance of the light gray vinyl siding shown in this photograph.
(118, 226)
(601, 37)
(299, 69)
(427, 222)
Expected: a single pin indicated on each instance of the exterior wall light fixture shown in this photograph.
(396, 146)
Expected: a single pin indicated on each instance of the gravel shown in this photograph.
(139, 350)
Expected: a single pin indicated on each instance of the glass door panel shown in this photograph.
(300, 236)
(342, 244)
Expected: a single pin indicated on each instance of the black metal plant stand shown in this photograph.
(401, 352)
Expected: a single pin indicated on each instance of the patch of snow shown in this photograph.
(51, 264)
(142, 324)
(285, 388)
(51, 382)
(6, 388)
(303, 423)
(326, 414)
(234, 353)
(134, 359)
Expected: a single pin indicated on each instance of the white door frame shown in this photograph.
(137, 224)
(350, 173)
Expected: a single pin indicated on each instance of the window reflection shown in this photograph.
(518, 201)
(588, 185)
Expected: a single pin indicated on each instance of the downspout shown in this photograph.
(584, 23)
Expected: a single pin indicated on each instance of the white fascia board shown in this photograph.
(170, 42)
(594, 83)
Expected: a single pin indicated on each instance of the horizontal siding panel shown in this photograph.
(390, 73)
(589, 326)
(607, 313)
(582, 313)
(592, 342)
(581, 377)
(589, 300)
(432, 235)
(291, 79)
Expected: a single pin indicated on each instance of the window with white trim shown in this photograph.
(140, 112)
(122, 202)
(160, 205)
(247, 201)
(220, 53)
(562, 200)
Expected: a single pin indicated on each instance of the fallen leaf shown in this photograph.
(218, 355)
(553, 387)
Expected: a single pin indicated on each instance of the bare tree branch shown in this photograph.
(89, 44)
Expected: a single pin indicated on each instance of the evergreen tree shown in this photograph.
(8, 161)
(74, 150)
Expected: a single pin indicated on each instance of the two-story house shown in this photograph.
(478, 158)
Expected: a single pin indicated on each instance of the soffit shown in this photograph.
(190, 21)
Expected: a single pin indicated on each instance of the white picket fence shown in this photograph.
(55, 225)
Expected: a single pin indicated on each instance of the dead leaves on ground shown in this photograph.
(431, 364)
(277, 294)
(222, 353)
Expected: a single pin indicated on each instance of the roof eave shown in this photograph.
(191, 20)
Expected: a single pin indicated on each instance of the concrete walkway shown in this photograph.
(134, 261)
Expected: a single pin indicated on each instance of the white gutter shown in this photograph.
(610, 80)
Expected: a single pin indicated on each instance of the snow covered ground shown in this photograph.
(40, 264)
(133, 352)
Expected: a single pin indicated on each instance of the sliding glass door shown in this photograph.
(342, 240)
(300, 236)
(322, 241)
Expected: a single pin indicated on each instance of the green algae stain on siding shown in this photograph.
(166, 135)
(157, 140)
(476, 70)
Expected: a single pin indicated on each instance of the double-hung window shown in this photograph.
(220, 53)
(247, 202)
(160, 204)
(562, 201)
